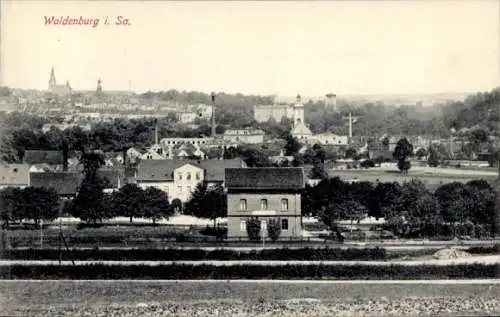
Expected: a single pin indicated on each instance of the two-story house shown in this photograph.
(264, 193)
(179, 178)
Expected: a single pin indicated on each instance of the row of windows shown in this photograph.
(187, 142)
(188, 176)
(263, 204)
(284, 225)
(188, 188)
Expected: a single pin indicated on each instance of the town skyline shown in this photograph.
(316, 48)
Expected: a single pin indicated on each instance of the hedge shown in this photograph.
(308, 254)
(495, 249)
(308, 271)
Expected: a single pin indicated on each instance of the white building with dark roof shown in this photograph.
(179, 178)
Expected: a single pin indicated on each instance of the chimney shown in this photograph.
(213, 115)
(156, 132)
(65, 155)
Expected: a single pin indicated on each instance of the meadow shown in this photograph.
(432, 177)
(249, 298)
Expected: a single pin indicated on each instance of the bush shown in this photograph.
(215, 232)
(253, 229)
(274, 229)
(495, 249)
(308, 271)
(367, 164)
(200, 254)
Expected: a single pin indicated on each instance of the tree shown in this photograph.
(404, 207)
(318, 171)
(367, 164)
(39, 203)
(10, 205)
(156, 204)
(384, 195)
(292, 145)
(404, 166)
(130, 201)
(483, 202)
(274, 229)
(433, 159)
(91, 162)
(253, 229)
(91, 203)
(453, 203)
(308, 207)
(421, 153)
(209, 203)
(350, 153)
(177, 205)
(425, 215)
(403, 150)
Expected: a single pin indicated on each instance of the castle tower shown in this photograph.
(331, 101)
(298, 112)
(52, 80)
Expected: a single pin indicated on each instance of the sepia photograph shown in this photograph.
(249, 158)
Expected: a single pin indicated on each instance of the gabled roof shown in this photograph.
(40, 157)
(265, 178)
(158, 170)
(162, 170)
(215, 169)
(14, 174)
(63, 183)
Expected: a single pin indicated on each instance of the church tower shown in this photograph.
(298, 112)
(52, 80)
(99, 87)
(300, 130)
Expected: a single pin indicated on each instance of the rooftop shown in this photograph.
(265, 178)
(162, 170)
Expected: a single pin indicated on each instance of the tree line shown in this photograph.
(43, 204)
(410, 209)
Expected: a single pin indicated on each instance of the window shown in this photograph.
(284, 204)
(263, 204)
(198, 176)
(284, 224)
(179, 176)
(188, 176)
(243, 204)
(189, 189)
(243, 225)
(179, 189)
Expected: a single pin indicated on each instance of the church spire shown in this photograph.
(52, 80)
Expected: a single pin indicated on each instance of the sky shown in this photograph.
(283, 48)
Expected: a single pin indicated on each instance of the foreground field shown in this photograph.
(245, 298)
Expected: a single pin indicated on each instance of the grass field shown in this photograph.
(433, 178)
(240, 298)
